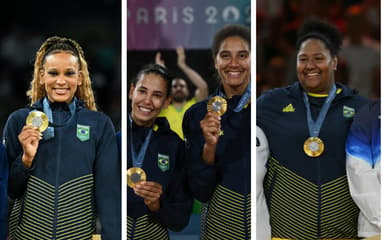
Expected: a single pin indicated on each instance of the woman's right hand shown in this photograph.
(29, 138)
(210, 126)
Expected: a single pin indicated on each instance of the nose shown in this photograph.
(233, 62)
(60, 79)
(147, 99)
(310, 64)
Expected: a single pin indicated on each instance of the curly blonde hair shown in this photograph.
(57, 44)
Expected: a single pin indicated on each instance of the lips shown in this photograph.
(234, 74)
(144, 109)
(312, 75)
(61, 91)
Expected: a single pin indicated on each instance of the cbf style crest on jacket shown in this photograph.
(224, 187)
(163, 163)
(308, 197)
(74, 177)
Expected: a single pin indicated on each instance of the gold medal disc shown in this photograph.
(135, 175)
(313, 146)
(37, 119)
(218, 105)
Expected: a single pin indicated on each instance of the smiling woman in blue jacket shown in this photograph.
(219, 147)
(64, 177)
(161, 201)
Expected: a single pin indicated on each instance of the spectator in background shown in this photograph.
(180, 93)
(63, 173)
(363, 149)
(361, 53)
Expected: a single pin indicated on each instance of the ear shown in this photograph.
(215, 63)
(167, 102)
(41, 74)
(131, 90)
(334, 63)
(81, 78)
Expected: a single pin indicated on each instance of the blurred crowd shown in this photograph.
(359, 59)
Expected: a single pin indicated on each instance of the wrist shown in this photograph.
(27, 161)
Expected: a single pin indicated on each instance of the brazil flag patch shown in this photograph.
(163, 162)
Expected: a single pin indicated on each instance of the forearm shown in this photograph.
(197, 80)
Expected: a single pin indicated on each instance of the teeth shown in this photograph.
(61, 90)
(145, 109)
(234, 74)
(312, 74)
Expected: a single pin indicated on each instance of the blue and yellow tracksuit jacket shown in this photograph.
(74, 177)
(308, 197)
(163, 163)
(3, 193)
(224, 187)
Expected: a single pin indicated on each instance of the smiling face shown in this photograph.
(148, 97)
(232, 63)
(179, 90)
(60, 76)
(315, 66)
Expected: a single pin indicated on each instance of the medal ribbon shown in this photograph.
(243, 100)
(49, 132)
(314, 127)
(138, 159)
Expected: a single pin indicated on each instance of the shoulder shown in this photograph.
(199, 108)
(19, 115)
(163, 129)
(278, 94)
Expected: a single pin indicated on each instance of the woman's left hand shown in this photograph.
(151, 192)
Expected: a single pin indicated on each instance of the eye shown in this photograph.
(158, 95)
(140, 90)
(243, 55)
(70, 73)
(53, 73)
(225, 55)
(303, 60)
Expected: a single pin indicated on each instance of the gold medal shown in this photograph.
(135, 175)
(37, 119)
(217, 104)
(313, 146)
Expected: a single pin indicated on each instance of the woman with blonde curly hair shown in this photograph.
(64, 167)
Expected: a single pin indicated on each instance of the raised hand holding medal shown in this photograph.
(38, 120)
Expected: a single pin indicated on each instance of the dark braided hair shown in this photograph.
(322, 30)
(158, 70)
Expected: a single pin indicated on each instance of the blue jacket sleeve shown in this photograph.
(18, 174)
(202, 178)
(107, 183)
(176, 204)
(3, 193)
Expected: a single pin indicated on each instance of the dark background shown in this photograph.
(95, 25)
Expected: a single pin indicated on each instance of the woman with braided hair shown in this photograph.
(63, 155)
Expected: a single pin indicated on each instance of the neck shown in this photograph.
(232, 91)
(178, 105)
(146, 124)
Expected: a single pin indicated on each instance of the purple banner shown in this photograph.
(166, 24)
